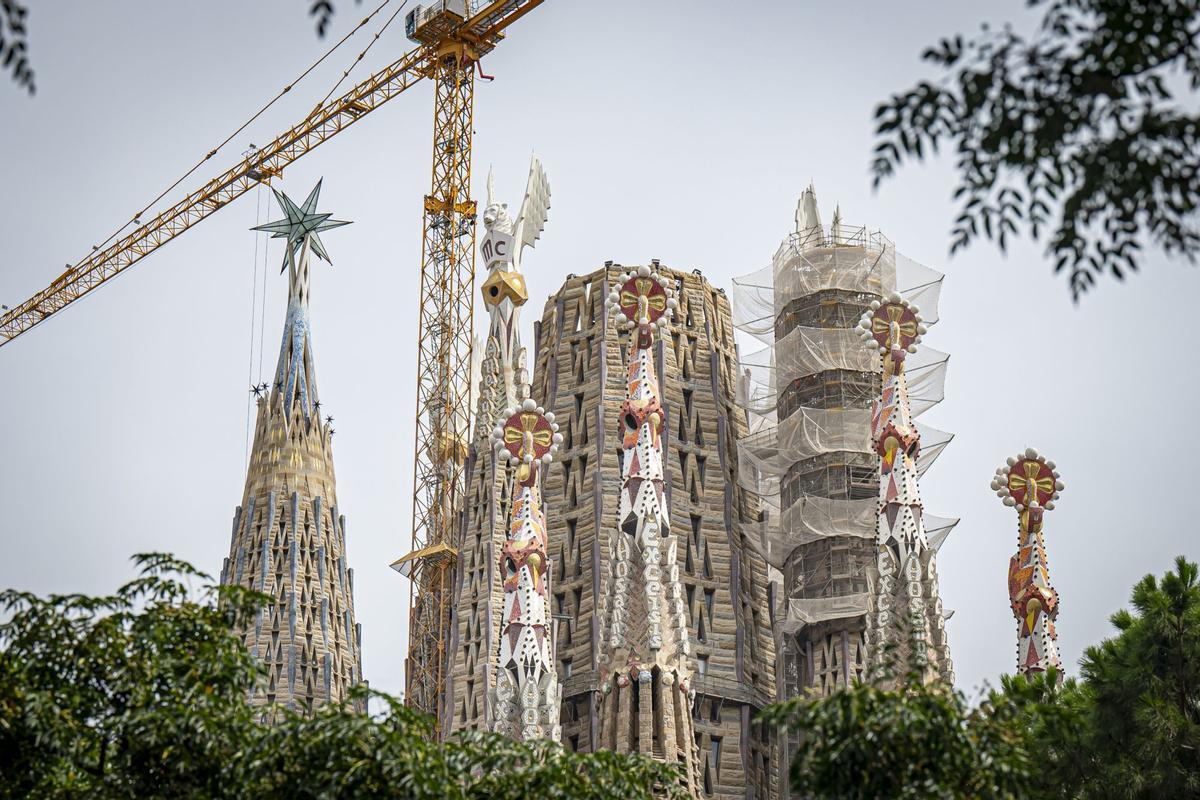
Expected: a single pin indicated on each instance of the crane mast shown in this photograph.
(453, 35)
(443, 380)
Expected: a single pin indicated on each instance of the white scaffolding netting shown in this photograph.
(815, 261)
(767, 454)
(812, 518)
(812, 611)
(775, 306)
(807, 351)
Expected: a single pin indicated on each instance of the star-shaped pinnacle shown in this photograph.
(300, 222)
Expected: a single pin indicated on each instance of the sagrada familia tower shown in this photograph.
(1031, 484)
(289, 536)
(716, 530)
(645, 639)
(906, 626)
(659, 615)
(662, 534)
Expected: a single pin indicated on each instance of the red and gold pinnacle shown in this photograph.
(1030, 484)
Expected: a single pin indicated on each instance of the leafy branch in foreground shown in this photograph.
(1075, 133)
(1127, 729)
(143, 693)
(913, 741)
(14, 44)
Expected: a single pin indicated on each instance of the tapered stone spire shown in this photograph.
(525, 701)
(483, 587)
(645, 694)
(1031, 484)
(906, 625)
(289, 537)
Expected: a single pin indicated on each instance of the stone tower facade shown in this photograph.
(580, 374)
(289, 536)
(477, 610)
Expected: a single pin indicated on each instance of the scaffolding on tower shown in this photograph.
(808, 385)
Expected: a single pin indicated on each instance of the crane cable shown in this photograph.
(261, 321)
(255, 319)
(253, 304)
(263, 312)
(136, 220)
(360, 57)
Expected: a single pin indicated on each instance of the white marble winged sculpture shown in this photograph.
(531, 218)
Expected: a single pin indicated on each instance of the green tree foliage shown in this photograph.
(1128, 729)
(1085, 132)
(1054, 721)
(142, 694)
(1144, 692)
(912, 741)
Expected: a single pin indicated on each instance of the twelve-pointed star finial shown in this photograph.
(302, 221)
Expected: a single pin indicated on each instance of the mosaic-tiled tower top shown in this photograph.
(289, 537)
(526, 698)
(1031, 484)
(906, 626)
(645, 692)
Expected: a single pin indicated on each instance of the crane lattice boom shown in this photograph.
(483, 31)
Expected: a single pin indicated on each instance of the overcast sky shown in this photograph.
(682, 131)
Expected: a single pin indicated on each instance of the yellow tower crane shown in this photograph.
(452, 35)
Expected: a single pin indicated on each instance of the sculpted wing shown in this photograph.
(535, 208)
